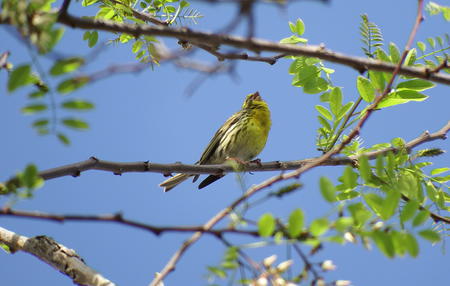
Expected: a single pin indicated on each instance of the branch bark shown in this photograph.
(118, 168)
(214, 41)
(118, 218)
(56, 255)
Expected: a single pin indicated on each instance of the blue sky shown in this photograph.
(147, 116)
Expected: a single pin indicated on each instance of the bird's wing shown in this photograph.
(215, 141)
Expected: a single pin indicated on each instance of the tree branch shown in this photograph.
(170, 266)
(257, 45)
(118, 168)
(56, 255)
(118, 218)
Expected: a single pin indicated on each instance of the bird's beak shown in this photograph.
(256, 96)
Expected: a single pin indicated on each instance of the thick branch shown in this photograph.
(56, 255)
(256, 45)
(118, 168)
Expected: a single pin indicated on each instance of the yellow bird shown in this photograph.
(242, 137)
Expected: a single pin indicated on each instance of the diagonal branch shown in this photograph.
(56, 255)
(170, 265)
(253, 44)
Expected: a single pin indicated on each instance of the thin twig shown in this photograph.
(118, 218)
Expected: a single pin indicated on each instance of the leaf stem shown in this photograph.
(343, 127)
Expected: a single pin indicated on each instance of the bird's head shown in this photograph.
(253, 99)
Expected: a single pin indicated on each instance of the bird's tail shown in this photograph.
(174, 181)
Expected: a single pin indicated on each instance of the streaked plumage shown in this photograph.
(243, 136)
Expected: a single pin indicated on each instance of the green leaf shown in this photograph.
(296, 222)
(40, 123)
(390, 163)
(137, 46)
(66, 66)
(364, 169)
(72, 84)
(416, 84)
(335, 100)
(85, 3)
(401, 97)
(375, 202)
(37, 94)
(34, 108)
(217, 271)
(422, 47)
(390, 204)
(384, 242)
(439, 171)
(319, 226)
(63, 138)
(324, 111)
(443, 179)
(93, 38)
(19, 77)
(394, 53)
(411, 57)
(342, 224)
(77, 104)
(266, 225)
(184, 4)
(347, 195)
(379, 164)
(324, 123)
(232, 253)
(30, 177)
(297, 28)
(377, 79)
(86, 35)
(75, 123)
(365, 89)
(381, 55)
(293, 40)
(344, 110)
(432, 42)
(398, 241)
(5, 247)
(350, 178)
(420, 218)
(432, 192)
(327, 189)
(359, 213)
(408, 210)
(430, 235)
(316, 85)
(411, 244)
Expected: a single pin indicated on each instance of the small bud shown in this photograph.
(328, 265)
(349, 237)
(378, 225)
(283, 266)
(342, 283)
(320, 282)
(279, 281)
(268, 261)
(262, 281)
